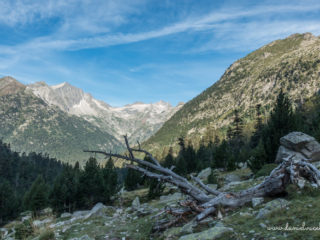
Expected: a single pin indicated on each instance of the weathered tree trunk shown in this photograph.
(206, 200)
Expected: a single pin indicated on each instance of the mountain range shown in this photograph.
(62, 120)
(138, 120)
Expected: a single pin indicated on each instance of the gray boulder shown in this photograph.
(171, 197)
(257, 201)
(272, 206)
(100, 210)
(79, 214)
(65, 215)
(136, 203)
(85, 237)
(231, 178)
(300, 145)
(46, 211)
(210, 234)
(204, 174)
(43, 223)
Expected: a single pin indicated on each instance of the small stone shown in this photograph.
(301, 183)
(245, 214)
(136, 203)
(188, 228)
(65, 215)
(257, 201)
(231, 178)
(263, 225)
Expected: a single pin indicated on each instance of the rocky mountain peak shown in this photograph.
(139, 120)
(9, 85)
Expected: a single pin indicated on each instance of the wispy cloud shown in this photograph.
(219, 21)
(141, 44)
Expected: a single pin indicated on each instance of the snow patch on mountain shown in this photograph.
(139, 120)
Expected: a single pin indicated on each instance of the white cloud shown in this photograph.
(95, 20)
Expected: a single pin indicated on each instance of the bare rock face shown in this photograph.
(298, 145)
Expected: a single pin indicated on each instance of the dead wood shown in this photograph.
(205, 201)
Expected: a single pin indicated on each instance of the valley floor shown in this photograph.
(134, 220)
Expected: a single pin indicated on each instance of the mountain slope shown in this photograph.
(9, 85)
(139, 120)
(30, 124)
(292, 64)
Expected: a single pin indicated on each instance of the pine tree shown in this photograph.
(281, 122)
(36, 198)
(254, 141)
(8, 202)
(156, 186)
(238, 125)
(258, 158)
(110, 178)
(91, 184)
(169, 159)
(63, 195)
(190, 158)
(203, 156)
(221, 155)
(132, 180)
(181, 163)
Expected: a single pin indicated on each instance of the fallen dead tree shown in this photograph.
(205, 201)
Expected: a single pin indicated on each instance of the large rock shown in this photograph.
(299, 145)
(271, 206)
(210, 234)
(204, 174)
(231, 178)
(171, 197)
(46, 211)
(65, 215)
(42, 223)
(257, 201)
(100, 210)
(79, 214)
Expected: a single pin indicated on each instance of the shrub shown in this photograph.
(47, 235)
(212, 178)
(23, 230)
(266, 170)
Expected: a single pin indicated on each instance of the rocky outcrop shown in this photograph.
(272, 206)
(204, 174)
(210, 234)
(299, 146)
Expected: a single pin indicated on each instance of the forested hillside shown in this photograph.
(35, 181)
(30, 124)
(291, 64)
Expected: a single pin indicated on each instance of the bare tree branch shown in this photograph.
(205, 187)
(203, 205)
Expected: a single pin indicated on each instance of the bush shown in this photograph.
(266, 170)
(212, 178)
(23, 230)
(47, 235)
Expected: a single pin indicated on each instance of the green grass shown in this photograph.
(304, 207)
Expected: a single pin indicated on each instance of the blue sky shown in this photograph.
(122, 51)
